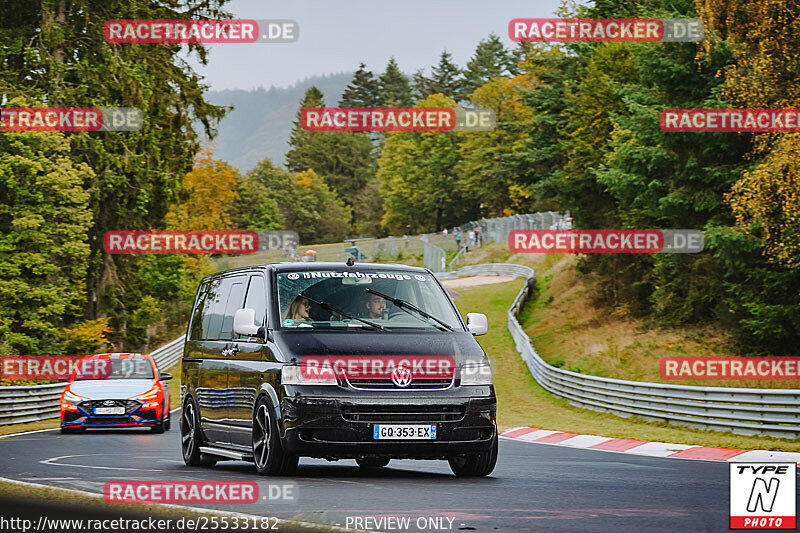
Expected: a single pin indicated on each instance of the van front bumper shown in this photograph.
(343, 427)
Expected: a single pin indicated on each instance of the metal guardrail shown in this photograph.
(30, 403)
(773, 412)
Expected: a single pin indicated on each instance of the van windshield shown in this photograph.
(310, 300)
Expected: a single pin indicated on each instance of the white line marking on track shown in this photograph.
(49, 478)
(52, 463)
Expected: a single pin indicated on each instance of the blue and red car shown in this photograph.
(116, 390)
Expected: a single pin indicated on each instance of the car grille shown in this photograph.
(383, 384)
(129, 405)
(402, 413)
(100, 420)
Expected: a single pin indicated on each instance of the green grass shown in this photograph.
(522, 402)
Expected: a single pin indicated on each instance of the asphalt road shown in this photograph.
(535, 487)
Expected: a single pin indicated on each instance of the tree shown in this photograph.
(313, 97)
(416, 175)
(395, 90)
(516, 56)
(44, 223)
(483, 170)
(257, 210)
(489, 61)
(362, 91)
(207, 195)
(446, 78)
(762, 37)
(305, 202)
(60, 56)
(343, 159)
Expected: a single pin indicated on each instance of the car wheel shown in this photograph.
(475, 464)
(72, 430)
(192, 437)
(158, 428)
(268, 454)
(372, 462)
(167, 421)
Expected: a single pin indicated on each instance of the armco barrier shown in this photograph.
(29, 403)
(774, 412)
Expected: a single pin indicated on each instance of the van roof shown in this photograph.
(324, 265)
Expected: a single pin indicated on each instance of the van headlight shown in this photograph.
(476, 373)
(297, 375)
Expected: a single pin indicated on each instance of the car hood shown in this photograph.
(98, 389)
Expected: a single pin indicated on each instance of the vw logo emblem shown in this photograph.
(109, 402)
(293, 275)
(401, 376)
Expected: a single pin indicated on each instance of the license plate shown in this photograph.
(404, 431)
(109, 410)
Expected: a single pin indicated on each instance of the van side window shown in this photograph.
(202, 311)
(257, 298)
(212, 323)
(233, 303)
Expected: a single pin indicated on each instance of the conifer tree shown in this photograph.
(362, 90)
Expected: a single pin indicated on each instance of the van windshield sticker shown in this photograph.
(378, 275)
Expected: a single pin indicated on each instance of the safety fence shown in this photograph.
(29, 403)
(434, 248)
(773, 412)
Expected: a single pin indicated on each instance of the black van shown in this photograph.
(330, 360)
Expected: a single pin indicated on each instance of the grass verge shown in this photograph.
(522, 402)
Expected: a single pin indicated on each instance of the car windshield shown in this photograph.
(114, 366)
(347, 298)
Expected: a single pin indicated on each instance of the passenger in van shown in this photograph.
(299, 310)
(375, 306)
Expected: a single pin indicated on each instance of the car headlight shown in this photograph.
(476, 373)
(152, 394)
(72, 398)
(293, 375)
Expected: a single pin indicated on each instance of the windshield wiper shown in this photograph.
(405, 306)
(333, 309)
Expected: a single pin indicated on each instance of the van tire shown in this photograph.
(268, 454)
(475, 464)
(192, 437)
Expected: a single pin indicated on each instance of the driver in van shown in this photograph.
(375, 306)
(299, 310)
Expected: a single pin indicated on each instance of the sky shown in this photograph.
(335, 35)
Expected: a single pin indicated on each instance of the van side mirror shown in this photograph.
(164, 376)
(477, 324)
(244, 323)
